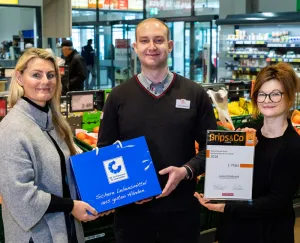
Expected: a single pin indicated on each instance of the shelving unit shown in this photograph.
(252, 41)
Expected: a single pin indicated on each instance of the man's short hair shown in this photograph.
(153, 19)
(67, 43)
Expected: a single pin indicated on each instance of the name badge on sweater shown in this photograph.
(183, 104)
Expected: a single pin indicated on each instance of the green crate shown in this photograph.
(83, 146)
(90, 126)
(91, 117)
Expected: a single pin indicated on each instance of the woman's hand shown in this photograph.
(81, 209)
(213, 207)
(247, 129)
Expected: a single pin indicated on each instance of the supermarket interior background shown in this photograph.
(217, 43)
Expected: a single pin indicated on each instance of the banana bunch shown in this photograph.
(235, 109)
(238, 108)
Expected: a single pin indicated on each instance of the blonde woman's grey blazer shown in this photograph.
(30, 171)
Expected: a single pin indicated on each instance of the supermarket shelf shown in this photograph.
(283, 59)
(267, 43)
(258, 56)
(234, 80)
(241, 42)
(248, 69)
(253, 56)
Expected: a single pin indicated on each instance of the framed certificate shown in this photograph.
(229, 166)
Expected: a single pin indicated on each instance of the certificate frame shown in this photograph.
(229, 166)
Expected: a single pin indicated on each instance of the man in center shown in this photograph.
(171, 112)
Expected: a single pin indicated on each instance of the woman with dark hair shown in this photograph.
(270, 218)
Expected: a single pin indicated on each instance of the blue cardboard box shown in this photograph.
(116, 175)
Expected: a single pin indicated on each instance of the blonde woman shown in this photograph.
(35, 140)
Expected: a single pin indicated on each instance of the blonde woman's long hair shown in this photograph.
(16, 91)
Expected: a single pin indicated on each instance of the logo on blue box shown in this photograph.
(115, 170)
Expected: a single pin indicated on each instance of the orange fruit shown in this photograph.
(228, 126)
(81, 135)
(296, 119)
(93, 145)
(87, 141)
(196, 145)
(95, 129)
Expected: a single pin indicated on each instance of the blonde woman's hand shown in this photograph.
(81, 209)
(211, 206)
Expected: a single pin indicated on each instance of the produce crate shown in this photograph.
(91, 117)
(83, 146)
(239, 120)
(99, 230)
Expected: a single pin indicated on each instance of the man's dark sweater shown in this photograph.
(132, 111)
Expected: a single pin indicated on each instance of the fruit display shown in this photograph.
(225, 125)
(89, 139)
(296, 120)
(240, 108)
(196, 147)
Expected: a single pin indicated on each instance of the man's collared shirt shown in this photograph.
(159, 88)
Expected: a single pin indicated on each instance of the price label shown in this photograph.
(260, 42)
(258, 69)
(240, 69)
(82, 102)
(273, 59)
(254, 56)
(247, 69)
(245, 56)
(234, 56)
(239, 42)
(279, 59)
(293, 45)
(261, 56)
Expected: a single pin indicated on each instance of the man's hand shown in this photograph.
(144, 201)
(176, 175)
(213, 207)
(106, 213)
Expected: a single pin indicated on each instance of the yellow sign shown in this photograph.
(9, 1)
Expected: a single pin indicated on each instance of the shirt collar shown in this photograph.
(163, 82)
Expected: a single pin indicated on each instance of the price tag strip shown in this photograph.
(81, 101)
(229, 166)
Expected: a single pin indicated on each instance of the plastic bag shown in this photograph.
(220, 100)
